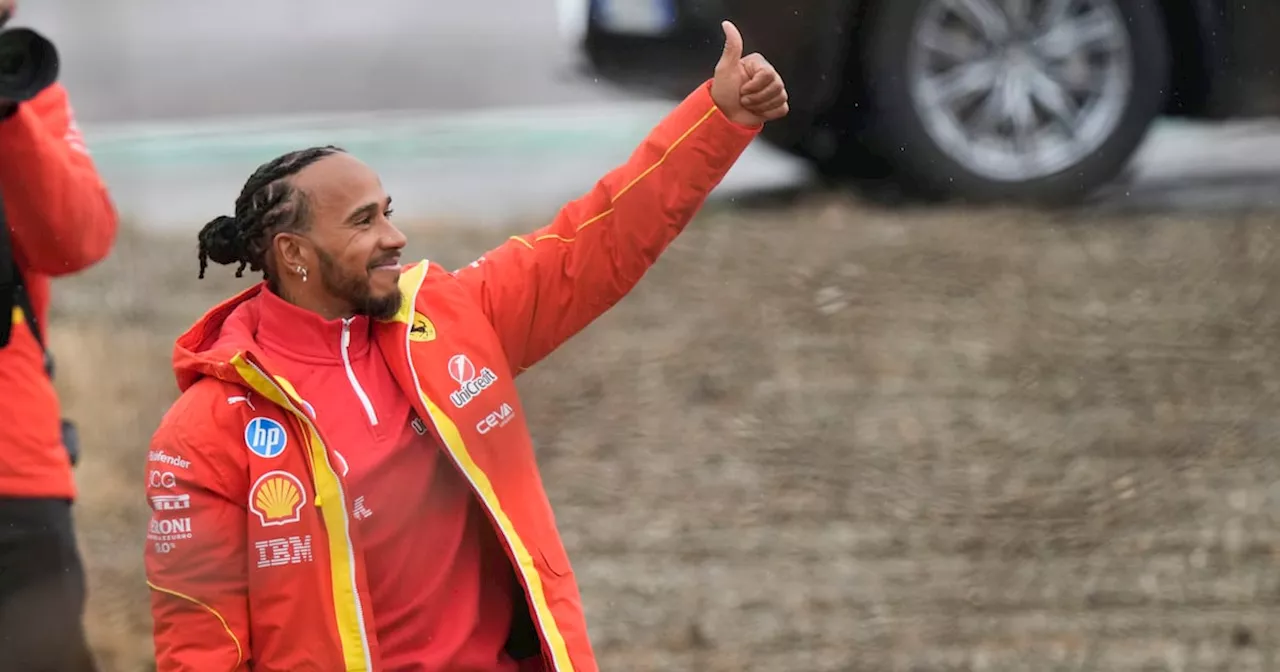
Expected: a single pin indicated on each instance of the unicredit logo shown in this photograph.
(470, 384)
(461, 369)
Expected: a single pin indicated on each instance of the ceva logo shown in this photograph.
(496, 419)
(265, 437)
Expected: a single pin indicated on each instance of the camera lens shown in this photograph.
(28, 64)
(15, 64)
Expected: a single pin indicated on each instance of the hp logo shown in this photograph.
(265, 437)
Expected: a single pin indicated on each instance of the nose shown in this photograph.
(394, 238)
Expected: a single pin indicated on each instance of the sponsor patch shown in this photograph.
(161, 479)
(361, 511)
(470, 381)
(277, 498)
(232, 401)
(167, 459)
(422, 330)
(265, 437)
(496, 419)
(170, 502)
(283, 551)
(165, 533)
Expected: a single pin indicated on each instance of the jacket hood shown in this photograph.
(208, 347)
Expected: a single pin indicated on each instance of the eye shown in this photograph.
(388, 212)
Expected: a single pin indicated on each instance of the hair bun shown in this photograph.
(220, 240)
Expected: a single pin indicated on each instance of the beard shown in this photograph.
(355, 291)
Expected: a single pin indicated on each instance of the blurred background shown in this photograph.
(919, 390)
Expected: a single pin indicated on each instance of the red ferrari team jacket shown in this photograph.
(61, 221)
(252, 557)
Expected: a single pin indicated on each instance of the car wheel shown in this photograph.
(1013, 100)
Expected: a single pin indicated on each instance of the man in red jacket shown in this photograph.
(58, 219)
(347, 481)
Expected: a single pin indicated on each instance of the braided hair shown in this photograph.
(267, 204)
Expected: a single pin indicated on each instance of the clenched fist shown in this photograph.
(747, 89)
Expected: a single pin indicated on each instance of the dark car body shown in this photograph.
(1222, 57)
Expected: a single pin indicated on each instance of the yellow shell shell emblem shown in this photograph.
(277, 498)
(422, 330)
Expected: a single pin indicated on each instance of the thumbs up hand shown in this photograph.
(748, 90)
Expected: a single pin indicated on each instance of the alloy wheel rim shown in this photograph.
(1015, 90)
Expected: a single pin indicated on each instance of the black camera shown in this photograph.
(28, 63)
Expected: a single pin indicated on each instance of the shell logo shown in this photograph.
(277, 498)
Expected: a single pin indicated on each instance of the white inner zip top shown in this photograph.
(351, 374)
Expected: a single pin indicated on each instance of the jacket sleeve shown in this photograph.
(59, 211)
(540, 289)
(195, 556)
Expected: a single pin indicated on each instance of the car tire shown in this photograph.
(899, 133)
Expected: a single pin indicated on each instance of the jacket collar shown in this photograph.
(288, 331)
(226, 335)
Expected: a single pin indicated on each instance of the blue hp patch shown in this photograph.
(265, 437)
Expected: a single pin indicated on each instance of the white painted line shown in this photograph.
(532, 117)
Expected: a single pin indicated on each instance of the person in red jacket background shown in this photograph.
(59, 220)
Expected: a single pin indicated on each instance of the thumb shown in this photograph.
(732, 45)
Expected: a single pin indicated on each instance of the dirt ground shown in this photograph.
(826, 437)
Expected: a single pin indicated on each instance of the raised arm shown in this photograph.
(540, 289)
(57, 206)
(196, 561)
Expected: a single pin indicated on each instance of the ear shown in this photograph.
(291, 251)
